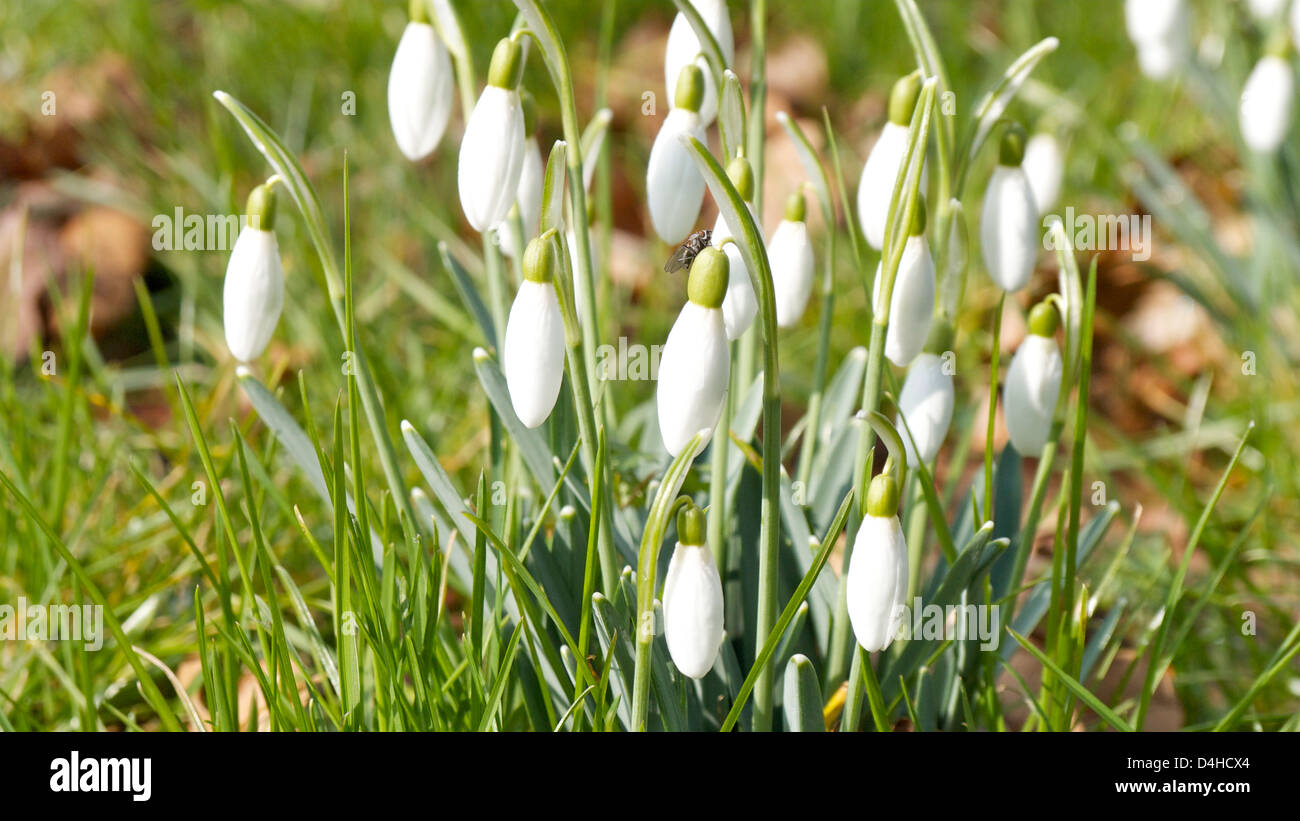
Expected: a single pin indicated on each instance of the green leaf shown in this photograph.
(803, 697)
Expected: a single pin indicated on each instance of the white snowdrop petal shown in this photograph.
(1149, 21)
(694, 368)
(253, 294)
(1265, 111)
(1009, 228)
(876, 185)
(674, 187)
(1044, 167)
(684, 47)
(740, 305)
(876, 586)
(580, 294)
(419, 91)
(533, 356)
(925, 403)
(693, 609)
(528, 199)
(911, 305)
(1029, 396)
(791, 257)
(491, 157)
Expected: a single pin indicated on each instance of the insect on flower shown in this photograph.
(686, 252)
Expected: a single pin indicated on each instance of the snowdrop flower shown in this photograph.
(791, 257)
(876, 186)
(1045, 167)
(534, 343)
(492, 150)
(876, 586)
(419, 87)
(695, 365)
(1033, 383)
(684, 49)
(571, 242)
(673, 185)
(1265, 111)
(1158, 29)
(925, 408)
(911, 303)
(741, 305)
(528, 197)
(254, 289)
(1009, 223)
(692, 598)
(1265, 10)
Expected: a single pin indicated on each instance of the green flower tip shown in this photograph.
(882, 496)
(707, 284)
(1043, 319)
(917, 228)
(741, 174)
(419, 11)
(902, 98)
(1012, 150)
(689, 93)
(795, 207)
(261, 207)
(529, 106)
(691, 525)
(507, 67)
(941, 336)
(539, 258)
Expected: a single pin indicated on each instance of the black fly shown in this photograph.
(687, 251)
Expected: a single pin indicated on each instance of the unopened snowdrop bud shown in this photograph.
(876, 186)
(492, 150)
(253, 294)
(1009, 223)
(673, 185)
(1045, 169)
(1033, 383)
(741, 306)
(534, 343)
(911, 305)
(528, 197)
(692, 598)
(791, 257)
(419, 87)
(695, 365)
(925, 408)
(684, 49)
(1265, 111)
(877, 580)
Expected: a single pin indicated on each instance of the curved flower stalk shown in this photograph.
(674, 188)
(1265, 110)
(1158, 29)
(791, 256)
(695, 365)
(876, 186)
(925, 408)
(253, 295)
(1044, 166)
(1033, 383)
(684, 49)
(1009, 222)
(911, 307)
(692, 601)
(419, 87)
(533, 357)
(528, 196)
(740, 307)
(876, 585)
(492, 150)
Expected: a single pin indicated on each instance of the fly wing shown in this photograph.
(678, 260)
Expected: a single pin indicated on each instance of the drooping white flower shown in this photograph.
(684, 48)
(876, 185)
(911, 304)
(1009, 222)
(1159, 31)
(1265, 111)
(925, 404)
(692, 601)
(253, 294)
(673, 185)
(528, 197)
(492, 150)
(1044, 166)
(791, 256)
(741, 305)
(419, 88)
(533, 356)
(695, 365)
(1266, 10)
(876, 585)
(1033, 383)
